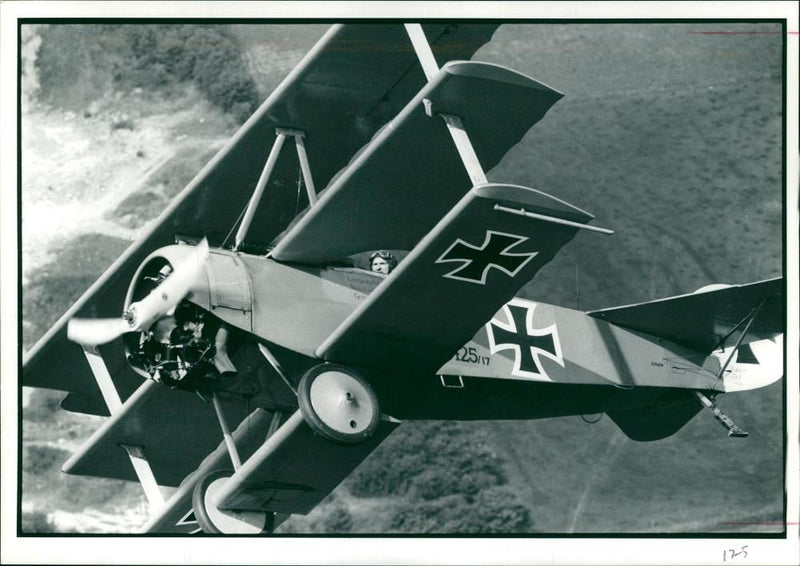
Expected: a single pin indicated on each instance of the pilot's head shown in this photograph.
(382, 262)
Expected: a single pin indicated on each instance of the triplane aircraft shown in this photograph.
(304, 360)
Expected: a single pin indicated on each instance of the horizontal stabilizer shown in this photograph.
(702, 320)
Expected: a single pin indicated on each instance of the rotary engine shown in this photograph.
(184, 347)
(167, 328)
(177, 350)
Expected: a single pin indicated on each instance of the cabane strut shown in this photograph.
(281, 135)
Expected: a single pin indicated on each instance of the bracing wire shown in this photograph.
(234, 225)
(299, 186)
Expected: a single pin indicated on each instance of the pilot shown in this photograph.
(382, 262)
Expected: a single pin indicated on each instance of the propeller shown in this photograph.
(93, 332)
(141, 314)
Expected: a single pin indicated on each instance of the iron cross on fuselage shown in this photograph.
(527, 342)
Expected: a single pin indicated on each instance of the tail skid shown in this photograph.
(724, 420)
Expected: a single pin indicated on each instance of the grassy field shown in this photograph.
(674, 141)
(670, 136)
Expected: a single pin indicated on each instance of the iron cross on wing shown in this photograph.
(477, 261)
(528, 343)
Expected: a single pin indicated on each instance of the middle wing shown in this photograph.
(487, 247)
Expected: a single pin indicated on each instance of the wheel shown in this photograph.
(215, 521)
(338, 404)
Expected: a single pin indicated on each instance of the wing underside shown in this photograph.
(489, 245)
(291, 471)
(295, 469)
(173, 430)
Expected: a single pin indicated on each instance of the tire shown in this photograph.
(338, 404)
(214, 521)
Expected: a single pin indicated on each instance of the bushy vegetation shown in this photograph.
(337, 520)
(430, 460)
(60, 283)
(495, 509)
(80, 62)
(40, 459)
(448, 479)
(427, 477)
(43, 403)
(37, 522)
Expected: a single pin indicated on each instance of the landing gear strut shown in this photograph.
(338, 403)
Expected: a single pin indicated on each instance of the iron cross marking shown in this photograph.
(527, 342)
(476, 261)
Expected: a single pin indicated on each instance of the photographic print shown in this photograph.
(491, 280)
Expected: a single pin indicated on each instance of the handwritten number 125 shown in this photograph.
(732, 553)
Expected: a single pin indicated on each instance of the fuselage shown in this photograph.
(531, 360)
(298, 307)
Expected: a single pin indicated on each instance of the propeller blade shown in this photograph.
(93, 332)
(160, 301)
(172, 290)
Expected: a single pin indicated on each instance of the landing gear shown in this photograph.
(214, 521)
(338, 404)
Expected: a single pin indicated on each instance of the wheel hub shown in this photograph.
(341, 402)
(338, 403)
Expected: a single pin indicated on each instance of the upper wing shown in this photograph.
(411, 173)
(701, 320)
(354, 80)
(487, 247)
